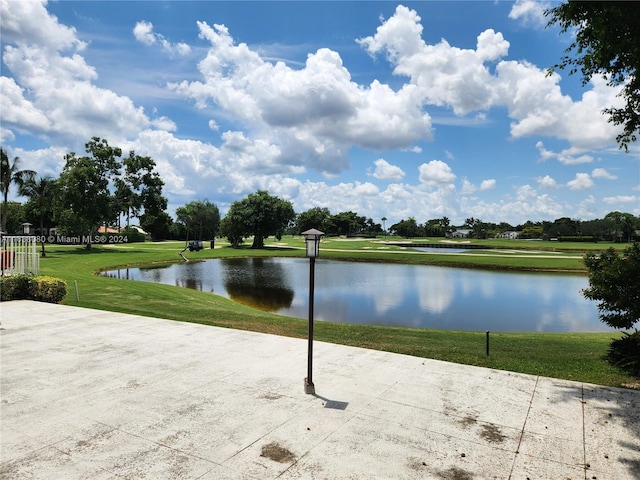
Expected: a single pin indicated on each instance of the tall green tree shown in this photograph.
(261, 215)
(406, 228)
(84, 200)
(232, 227)
(40, 193)
(621, 225)
(200, 218)
(316, 217)
(93, 190)
(10, 173)
(157, 225)
(607, 43)
(139, 188)
(346, 223)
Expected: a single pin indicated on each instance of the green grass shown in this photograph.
(572, 356)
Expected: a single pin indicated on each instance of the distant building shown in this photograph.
(512, 235)
(461, 233)
(139, 229)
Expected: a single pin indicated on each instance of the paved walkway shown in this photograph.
(88, 394)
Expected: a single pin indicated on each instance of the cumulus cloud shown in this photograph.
(602, 173)
(530, 12)
(569, 156)
(51, 94)
(315, 113)
(621, 199)
(143, 31)
(547, 182)
(468, 187)
(385, 171)
(488, 184)
(29, 23)
(527, 203)
(444, 75)
(581, 182)
(436, 173)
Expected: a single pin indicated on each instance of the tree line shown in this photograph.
(614, 226)
(109, 189)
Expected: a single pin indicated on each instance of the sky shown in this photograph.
(396, 110)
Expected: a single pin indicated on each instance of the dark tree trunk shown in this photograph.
(258, 242)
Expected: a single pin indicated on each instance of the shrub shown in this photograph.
(50, 289)
(31, 287)
(16, 287)
(625, 353)
(133, 235)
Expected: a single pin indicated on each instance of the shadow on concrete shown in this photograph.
(334, 404)
(603, 406)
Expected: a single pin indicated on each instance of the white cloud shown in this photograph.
(436, 172)
(530, 12)
(164, 123)
(314, 113)
(143, 31)
(467, 187)
(570, 156)
(547, 182)
(488, 184)
(581, 182)
(621, 199)
(29, 23)
(444, 75)
(51, 95)
(385, 171)
(602, 173)
(526, 204)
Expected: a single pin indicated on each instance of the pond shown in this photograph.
(391, 294)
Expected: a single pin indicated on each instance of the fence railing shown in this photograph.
(19, 254)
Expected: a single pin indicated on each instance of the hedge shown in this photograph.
(32, 287)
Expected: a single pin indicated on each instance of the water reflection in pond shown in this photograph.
(391, 294)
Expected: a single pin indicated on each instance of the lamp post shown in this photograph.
(312, 239)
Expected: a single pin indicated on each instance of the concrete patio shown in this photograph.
(88, 394)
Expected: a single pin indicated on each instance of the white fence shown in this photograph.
(19, 255)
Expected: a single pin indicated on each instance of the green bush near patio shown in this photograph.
(32, 287)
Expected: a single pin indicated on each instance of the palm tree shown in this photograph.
(40, 192)
(10, 173)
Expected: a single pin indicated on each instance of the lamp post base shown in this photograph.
(309, 387)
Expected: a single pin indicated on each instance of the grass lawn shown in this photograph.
(572, 356)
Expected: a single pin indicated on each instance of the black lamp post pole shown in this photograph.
(308, 386)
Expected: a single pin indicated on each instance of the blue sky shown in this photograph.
(423, 109)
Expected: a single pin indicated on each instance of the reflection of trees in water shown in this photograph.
(258, 283)
(189, 282)
(193, 275)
